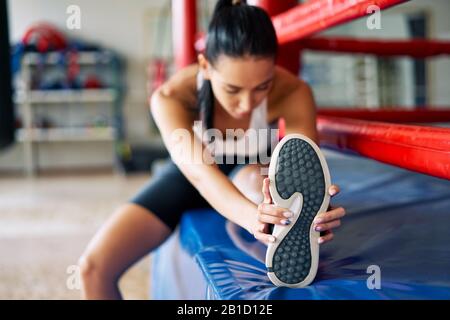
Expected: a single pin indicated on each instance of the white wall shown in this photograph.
(393, 26)
(120, 25)
(124, 26)
(440, 67)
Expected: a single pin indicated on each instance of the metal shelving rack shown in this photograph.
(27, 98)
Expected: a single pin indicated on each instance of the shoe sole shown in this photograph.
(299, 180)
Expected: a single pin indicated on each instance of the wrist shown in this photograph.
(248, 216)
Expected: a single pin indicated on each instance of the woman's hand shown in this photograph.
(327, 221)
(268, 213)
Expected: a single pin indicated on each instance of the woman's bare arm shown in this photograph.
(174, 120)
(292, 99)
(299, 112)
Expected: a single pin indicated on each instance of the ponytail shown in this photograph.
(206, 104)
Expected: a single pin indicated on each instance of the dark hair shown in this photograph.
(236, 30)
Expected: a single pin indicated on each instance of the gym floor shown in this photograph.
(46, 223)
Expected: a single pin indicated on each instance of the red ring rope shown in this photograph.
(426, 115)
(318, 15)
(421, 149)
(416, 48)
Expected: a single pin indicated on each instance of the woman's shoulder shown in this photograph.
(285, 85)
(182, 85)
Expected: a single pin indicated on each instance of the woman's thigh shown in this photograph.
(168, 195)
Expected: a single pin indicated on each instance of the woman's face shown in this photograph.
(240, 84)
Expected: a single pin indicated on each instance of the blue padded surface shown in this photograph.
(396, 219)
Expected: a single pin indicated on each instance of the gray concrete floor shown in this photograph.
(46, 222)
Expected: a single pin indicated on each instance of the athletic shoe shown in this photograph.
(299, 181)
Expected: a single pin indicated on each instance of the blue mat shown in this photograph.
(396, 220)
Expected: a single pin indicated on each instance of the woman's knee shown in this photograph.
(250, 173)
(249, 181)
(93, 270)
(86, 265)
(130, 233)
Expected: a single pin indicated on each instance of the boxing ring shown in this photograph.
(393, 167)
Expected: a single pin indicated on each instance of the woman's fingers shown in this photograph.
(327, 226)
(331, 215)
(325, 222)
(270, 219)
(273, 210)
(271, 214)
(264, 237)
(268, 213)
(327, 236)
(266, 191)
(334, 190)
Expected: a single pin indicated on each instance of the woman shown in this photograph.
(235, 85)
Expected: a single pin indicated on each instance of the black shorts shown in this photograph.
(168, 193)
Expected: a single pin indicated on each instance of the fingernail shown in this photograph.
(320, 240)
(288, 214)
(272, 239)
(318, 220)
(318, 228)
(333, 192)
(286, 222)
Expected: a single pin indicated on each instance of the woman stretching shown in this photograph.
(235, 85)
